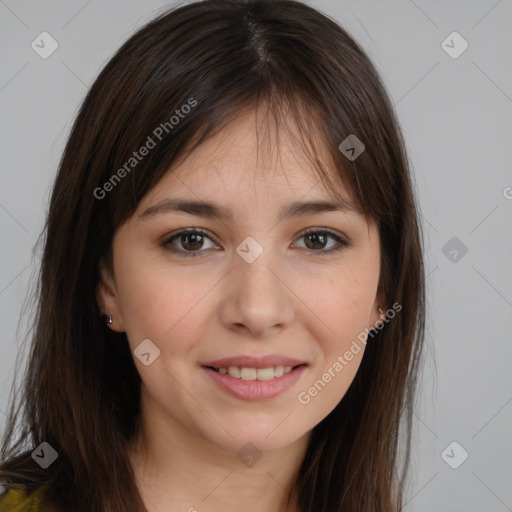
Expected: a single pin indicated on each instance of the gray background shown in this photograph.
(456, 115)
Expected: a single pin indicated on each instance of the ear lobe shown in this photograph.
(106, 297)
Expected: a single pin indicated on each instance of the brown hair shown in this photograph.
(81, 389)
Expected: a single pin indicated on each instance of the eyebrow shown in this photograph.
(211, 210)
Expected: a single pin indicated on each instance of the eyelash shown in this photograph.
(166, 244)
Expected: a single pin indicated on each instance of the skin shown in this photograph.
(290, 301)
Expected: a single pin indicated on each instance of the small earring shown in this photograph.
(379, 309)
(108, 319)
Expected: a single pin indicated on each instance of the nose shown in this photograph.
(257, 297)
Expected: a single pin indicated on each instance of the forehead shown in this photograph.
(253, 153)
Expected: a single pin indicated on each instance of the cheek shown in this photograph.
(341, 313)
(341, 306)
(163, 303)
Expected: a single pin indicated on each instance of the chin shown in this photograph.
(273, 437)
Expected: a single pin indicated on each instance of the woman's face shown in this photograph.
(251, 284)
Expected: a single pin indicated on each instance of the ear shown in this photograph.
(375, 317)
(107, 298)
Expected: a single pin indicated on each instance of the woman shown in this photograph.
(231, 302)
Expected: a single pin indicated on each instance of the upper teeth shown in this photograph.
(256, 373)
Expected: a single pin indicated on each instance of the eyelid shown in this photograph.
(343, 238)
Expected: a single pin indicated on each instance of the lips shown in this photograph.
(255, 389)
(254, 362)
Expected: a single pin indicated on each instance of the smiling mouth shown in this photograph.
(246, 373)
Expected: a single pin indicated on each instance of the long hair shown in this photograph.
(81, 389)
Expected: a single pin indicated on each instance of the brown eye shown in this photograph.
(191, 241)
(188, 242)
(316, 240)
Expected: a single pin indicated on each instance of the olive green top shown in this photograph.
(15, 498)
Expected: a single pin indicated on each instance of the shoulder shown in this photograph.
(15, 497)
